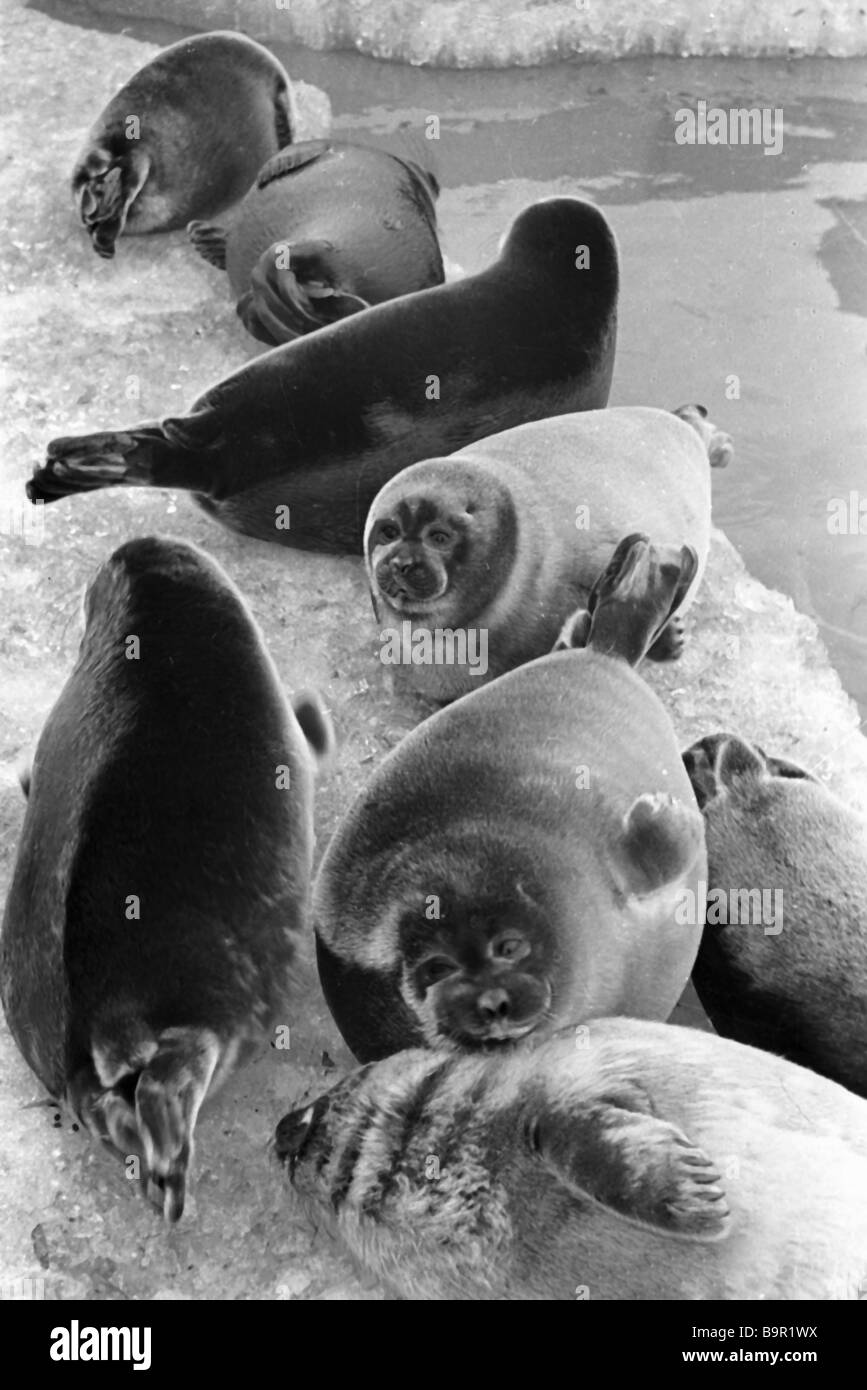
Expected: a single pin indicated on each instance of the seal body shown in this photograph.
(163, 869)
(185, 137)
(519, 860)
(623, 1160)
(326, 230)
(295, 445)
(783, 958)
(503, 540)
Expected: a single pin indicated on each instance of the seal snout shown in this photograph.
(411, 553)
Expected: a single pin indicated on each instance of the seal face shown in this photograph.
(295, 445)
(326, 230)
(596, 1164)
(518, 859)
(183, 138)
(499, 543)
(783, 958)
(162, 874)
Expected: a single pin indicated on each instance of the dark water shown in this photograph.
(736, 264)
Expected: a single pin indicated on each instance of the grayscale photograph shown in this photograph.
(433, 662)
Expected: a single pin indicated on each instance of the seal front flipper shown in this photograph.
(293, 291)
(315, 724)
(210, 242)
(617, 1153)
(662, 838)
(104, 187)
(170, 453)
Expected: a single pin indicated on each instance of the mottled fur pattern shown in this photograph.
(622, 1160)
(797, 986)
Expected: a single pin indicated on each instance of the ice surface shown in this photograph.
(524, 33)
(93, 344)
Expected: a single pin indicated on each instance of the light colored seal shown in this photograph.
(783, 958)
(294, 446)
(622, 1160)
(326, 230)
(162, 874)
(516, 862)
(185, 137)
(500, 542)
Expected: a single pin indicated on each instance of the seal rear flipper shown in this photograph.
(662, 838)
(636, 596)
(720, 449)
(172, 453)
(210, 242)
(105, 192)
(670, 642)
(168, 1097)
(615, 1152)
(714, 762)
(292, 293)
(290, 160)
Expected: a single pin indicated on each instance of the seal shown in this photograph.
(162, 873)
(623, 1160)
(516, 861)
(783, 959)
(505, 538)
(326, 230)
(185, 137)
(295, 445)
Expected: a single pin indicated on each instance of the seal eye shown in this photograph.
(388, 531)
(435, 969)
(510, 948)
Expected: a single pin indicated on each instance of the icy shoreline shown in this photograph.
(528, 33)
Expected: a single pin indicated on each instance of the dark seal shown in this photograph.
(295, 445)
(783, 959)
(162, 874)
(326, 230)
(185, 137)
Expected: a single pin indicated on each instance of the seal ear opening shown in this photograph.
(617, 1154)
(315, 724)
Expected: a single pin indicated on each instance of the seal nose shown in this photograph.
(402, 564)
(493, 1005)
